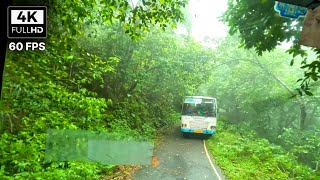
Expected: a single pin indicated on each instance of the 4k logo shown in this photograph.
(29, 17)
(27, 22)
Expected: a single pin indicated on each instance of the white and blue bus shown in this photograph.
(199, 116)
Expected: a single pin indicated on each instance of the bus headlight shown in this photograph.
(212, 127)
(183, 125)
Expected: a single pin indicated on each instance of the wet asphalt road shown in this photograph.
(179, 158)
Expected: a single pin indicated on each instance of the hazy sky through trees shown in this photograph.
(205, 22)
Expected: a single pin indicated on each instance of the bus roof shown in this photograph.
(200, 97)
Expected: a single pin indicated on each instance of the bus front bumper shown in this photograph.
(195, 131)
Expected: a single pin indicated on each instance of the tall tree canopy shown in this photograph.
(93, 75)
(260, 27)
(256, 93)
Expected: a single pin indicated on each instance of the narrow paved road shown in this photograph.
(180, 159)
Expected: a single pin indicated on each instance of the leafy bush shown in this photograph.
(305, 145)
(33, 108)
(243, 155)
(43, 106)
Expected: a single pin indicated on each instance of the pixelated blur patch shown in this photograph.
(90, 146)
(289, 10)
(155, 161)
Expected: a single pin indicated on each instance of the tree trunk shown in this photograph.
(303, 112)
(303, 115)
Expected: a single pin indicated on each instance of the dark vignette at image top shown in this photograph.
(3, 25)
(3, 37)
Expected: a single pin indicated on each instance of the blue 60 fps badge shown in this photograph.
(27, 22)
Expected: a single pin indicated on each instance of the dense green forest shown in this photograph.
(266, 130)
(120, 67)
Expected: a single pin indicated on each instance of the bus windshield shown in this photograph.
(199, 107)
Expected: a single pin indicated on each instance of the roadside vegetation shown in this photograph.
(266, 130)
(119, 67)
(97, 73)
(270, 127)
(242, 154)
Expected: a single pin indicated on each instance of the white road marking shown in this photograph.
(214, 169)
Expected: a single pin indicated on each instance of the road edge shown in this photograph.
(210, 161)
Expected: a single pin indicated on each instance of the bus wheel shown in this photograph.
(206, 136)
(186, 135)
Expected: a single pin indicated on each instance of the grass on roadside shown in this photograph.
(246, 156)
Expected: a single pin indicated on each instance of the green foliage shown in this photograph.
(305, 145)
(95, 76)
(259, 25)
(43, 106)
(261, 28)
(30, 111)
(67, 86)
(242, 155)
(259, 95)
(135, 117)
